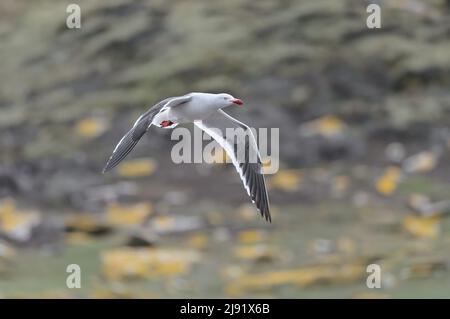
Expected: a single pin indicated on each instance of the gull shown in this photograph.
(205, 110)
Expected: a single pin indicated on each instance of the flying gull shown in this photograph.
(205, 111)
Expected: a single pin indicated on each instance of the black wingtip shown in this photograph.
(267, 216)
(107, 168)
(110, 164)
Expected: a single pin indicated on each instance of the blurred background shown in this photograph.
(364, 118)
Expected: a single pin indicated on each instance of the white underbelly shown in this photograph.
(188, 113)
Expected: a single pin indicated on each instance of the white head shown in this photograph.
(224, 100)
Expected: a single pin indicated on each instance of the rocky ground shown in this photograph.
(364, 127)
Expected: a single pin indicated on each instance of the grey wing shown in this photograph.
(243, 152)
(142, 124)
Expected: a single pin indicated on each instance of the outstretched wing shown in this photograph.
(243, 153)
(142, 124)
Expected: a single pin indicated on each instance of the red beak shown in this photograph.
(238, 102)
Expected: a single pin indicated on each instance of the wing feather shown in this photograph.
(249, 172)
(140, 127)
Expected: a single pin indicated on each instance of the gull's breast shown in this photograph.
(190, 112)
